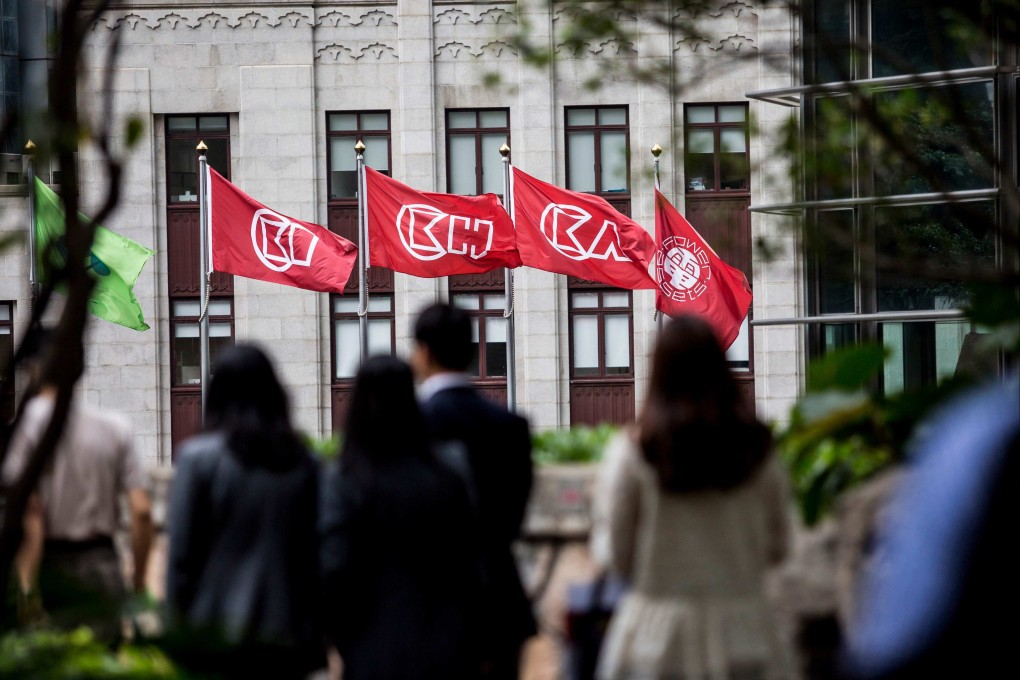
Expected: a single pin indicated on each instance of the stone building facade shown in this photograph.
(278, 90)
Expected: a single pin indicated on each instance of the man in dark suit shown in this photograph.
(498, 447)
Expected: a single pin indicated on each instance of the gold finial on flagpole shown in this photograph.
(201, 148)
(504, 151)
(359, 147)
(656, 150)
(30, 147)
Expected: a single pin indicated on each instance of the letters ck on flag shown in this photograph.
(114, 261)
(429, 234)
(692, 278)
(568, 232)
(248, 239)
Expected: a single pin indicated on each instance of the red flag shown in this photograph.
(568, 232)
(692, 278)
(428, 234)
(248, 239)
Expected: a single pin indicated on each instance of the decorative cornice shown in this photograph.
(232, 17)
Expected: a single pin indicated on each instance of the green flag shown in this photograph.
(114, 261)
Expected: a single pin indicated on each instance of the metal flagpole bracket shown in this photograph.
(205, 277)
(509, 301)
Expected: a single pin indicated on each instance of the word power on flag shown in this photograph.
(248, 239)
(428, 234)
(569, 232)
(693, 279)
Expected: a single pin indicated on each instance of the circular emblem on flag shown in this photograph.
(415, 224)
(279, 243)
(682, 269)
(574, 234)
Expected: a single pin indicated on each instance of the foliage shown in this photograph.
(65, 655)
(325, 448)
(571, 445)
(841, 434)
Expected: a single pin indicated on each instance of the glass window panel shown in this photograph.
(345, 305)
(187, 308)
(462, 119)
(219, 329)
(739, 353)
(212, 124)
(475, 336)
(380, 336)
(832, 39)
(581, 160)
(219, 307)
(493, 119)
(586, 345)
(919, 36)
(216, 347)
(584, 300)
(835, 261)
(732, 114)
(183, 168)
(616, 299)
(5, 312)
(580, 116)
(700, 141)
(377, 154)
(378, 303)
(347, 339)
(700, 171)
(732, 140)
(375, 121)
(343, 121)
(180, 124)
(617, 344)
(700, 114)
(839, 335)
(462, 165)
(187, 362)
(832, 156)
(492, 163)
(495, 346)
(217, 156)
(734, 171)
(614, 161)
(892, 372)
(494, 301)
(495, 329)
(466, 301)
(186, 330)
(343, 168)
(949, 339)
(615, 116)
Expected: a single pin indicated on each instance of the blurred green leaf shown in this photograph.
(133, 130)
(578, 444)
(847, 368)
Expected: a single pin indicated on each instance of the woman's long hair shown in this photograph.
(694, 429)
(384, 422)
(249, 406)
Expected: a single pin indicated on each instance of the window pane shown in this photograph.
(180, 124)
(835, 261)
(493, 119)
(377, 153)
(581, 160)
(832, 31)
(216, 347)
(615, 299)
(614, 161)
(187, 368)
(219, 330)
(212, 124)
(495, 346)
(700, 141)
(462, 165)
(615, 116)
(217, 156)
(380, 337)
(186, 308)
(734, 171)
(580, 116)
(732, 114)
(833, 148)
(584, 300)
(375, 121)
(700, 114)
(699, 161)
(219, 307)
(343, 121)
(5, 312)
(346, 336)
(492, 163)
(617, 344)
(343, 178)
(186, 330)
(918, 36)
(183, 165)
(473, 367)
(732, 140)
(378, 303)
(462, 119)
(739, 353)
(466, 301)
(494, 301)
(585, 340)
(345, 305)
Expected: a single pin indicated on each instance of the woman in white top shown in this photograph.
(692, 510)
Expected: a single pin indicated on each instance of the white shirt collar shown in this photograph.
(439, 382)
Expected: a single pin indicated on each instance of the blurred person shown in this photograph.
(399, 548)
(692, 509)
(242, 572)
(68, 554)
(498, 445)
(944, 575)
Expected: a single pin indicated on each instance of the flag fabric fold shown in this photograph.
(693, 279)
(248, 239)
(430, 234)
(114, 262)
(582, 235)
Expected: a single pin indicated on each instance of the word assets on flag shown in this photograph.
(693, 279)
(430, 234)
(248, 239)
(569, 232)
(114, 262)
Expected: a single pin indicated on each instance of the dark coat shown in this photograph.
(401, 570)
(498, 444)
(243, 553)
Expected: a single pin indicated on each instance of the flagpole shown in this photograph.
(359, 149)
(508, 303)
(656, 152)
(203, 282)
(33, 274)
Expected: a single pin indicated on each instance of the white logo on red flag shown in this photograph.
(571, 231)
(279, 243)
(428, 233)
(683, 269)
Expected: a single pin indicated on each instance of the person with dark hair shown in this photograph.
(67, 553)
(692, 510)
(242, 572)
(498, 445)
(401, 570)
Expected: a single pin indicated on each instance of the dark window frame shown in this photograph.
(175, 321)
(598, 128)
(335, 316)
(481, 314)
(477, 131)
(196, 136)
(601, 311)
(717, 127)
(7, 362)
(361, 134)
